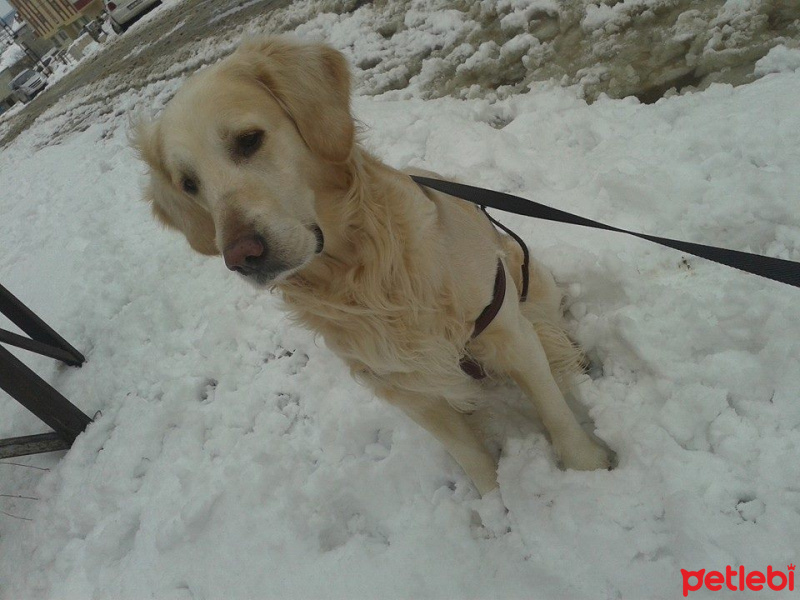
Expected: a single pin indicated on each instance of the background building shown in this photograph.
(58, 20)
(20, 49)
(21, 33)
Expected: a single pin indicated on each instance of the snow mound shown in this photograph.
(11, 56)
(468, 49)
(779, 60)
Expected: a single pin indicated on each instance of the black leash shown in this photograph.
(777, 269)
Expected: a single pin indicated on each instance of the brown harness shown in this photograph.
(468, 364)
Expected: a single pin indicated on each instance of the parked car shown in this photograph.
(28, 83)
(123, 13)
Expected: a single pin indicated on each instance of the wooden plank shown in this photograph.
(32, 444)
(35, 394)
(20, 341)
(30, 323)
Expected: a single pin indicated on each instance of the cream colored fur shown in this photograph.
(404, 272)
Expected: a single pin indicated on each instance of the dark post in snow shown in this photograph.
(30, 390)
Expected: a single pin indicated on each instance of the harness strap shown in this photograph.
(490, 312)
(526, 255)
(469, 365)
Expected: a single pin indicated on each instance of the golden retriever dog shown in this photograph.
(256, 159)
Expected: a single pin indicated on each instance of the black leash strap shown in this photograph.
(777, 269)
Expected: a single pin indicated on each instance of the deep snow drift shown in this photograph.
(235, 458)
(627, 47)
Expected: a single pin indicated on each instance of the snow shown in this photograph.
(778, 60)
(630, 47)
(232, 456)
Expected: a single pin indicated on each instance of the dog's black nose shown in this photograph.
(246, 254)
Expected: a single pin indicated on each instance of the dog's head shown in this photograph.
(238, 155)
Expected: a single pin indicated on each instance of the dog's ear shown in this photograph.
(311, 82)
(169, 206)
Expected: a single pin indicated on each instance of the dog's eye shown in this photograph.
(248, 143)
(189, 186)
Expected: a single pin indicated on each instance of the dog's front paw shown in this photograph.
(585, 455)
(491, 515)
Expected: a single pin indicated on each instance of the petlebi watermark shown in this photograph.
(738, 579)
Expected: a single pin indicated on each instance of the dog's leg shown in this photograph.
(452, 429)
(531, 371)
(520, 354)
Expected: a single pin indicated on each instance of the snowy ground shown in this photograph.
(233, 457)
